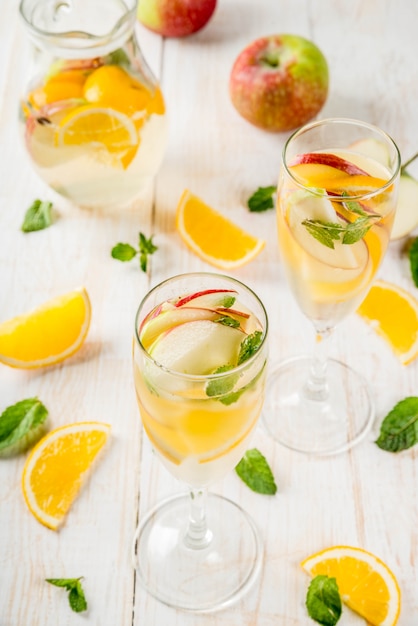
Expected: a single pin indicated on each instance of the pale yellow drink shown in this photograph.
(329, 283)
(198, 419)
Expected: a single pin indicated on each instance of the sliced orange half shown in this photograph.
(365, 583)
(213, 237)
(92, 124)
(48, 334)
(393, 313)
(57, 468)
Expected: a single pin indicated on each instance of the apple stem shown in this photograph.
(271, 59)
(408, 162)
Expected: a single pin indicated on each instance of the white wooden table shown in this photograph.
(365, 497)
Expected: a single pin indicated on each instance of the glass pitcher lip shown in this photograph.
(75, 40)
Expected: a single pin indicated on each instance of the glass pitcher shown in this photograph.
(93, 116)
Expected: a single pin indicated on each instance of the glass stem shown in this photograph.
(198, 535)
(316, 387)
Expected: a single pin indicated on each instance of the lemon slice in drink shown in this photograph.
(90, 124)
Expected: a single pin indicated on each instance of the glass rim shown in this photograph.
(123, 26)
(342, 120)
(201, 377)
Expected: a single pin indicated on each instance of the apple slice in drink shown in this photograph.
(197, 347)
(209, 298)
(406, 216)
(330, 160)
(169, 318)
(372, 149)
(303, 206)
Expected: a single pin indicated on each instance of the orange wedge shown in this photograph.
(365, 583)
(48, 334)
(57, 468)
(393, 313)
(212, 236)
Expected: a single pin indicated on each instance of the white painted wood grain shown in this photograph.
(365, 497)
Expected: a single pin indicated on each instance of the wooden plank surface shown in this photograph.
(365, 497)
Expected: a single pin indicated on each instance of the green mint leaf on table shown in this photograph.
(413, 260)
(21, 425)
(38, 216)
(249, 346)
(323, 601)
(262, 199)
(76, 597)
(126, 252)
(399, 429)
(254, 470)
(123, 252)
(226, 320)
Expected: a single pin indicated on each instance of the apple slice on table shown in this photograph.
(197, 347)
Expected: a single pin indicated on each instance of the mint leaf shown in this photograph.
(254, 470)
(325, 232)
(262, 199)
(21, 425)
(355, 231)
(37, 217)
(249, 346)
(76, 597)
(126, 252)
(323, 601)
(399, 429)
(227, 302)
(413, 260)
(221, 386)
(226, 320)
(118, 57)
(146, 247)
(123, 252)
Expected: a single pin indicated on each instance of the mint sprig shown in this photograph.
(38, 216)
(76, 597)
(262, 199)
(21, 425)
(125, 252)
(328, 232)
(399, 429)
(323, 600)
(255, 472)
(227, 320)
(221, 386)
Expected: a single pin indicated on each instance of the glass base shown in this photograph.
(200, 580)
(317, 426)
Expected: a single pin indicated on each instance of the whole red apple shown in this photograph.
(175, 18)
(279, 82)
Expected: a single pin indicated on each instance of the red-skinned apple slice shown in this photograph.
(167, 319)
(209, 298)
(331, 160)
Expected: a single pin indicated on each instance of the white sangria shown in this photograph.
(336, 204)
(201, 391)
(335, 212)
(92, 116)
(199, 360)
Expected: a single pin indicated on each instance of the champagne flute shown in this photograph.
(199, 363)
(336, 202)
